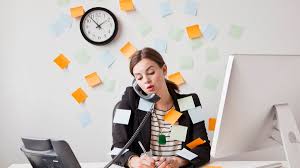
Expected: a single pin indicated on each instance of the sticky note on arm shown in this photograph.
(195, 143)
(122, 116)
(77, 11)
(186, 103)
(186, 154)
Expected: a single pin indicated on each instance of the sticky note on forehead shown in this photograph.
(93, 79)
(177, 78)
(186, 103)
(128, 50)
(79, 95)
(172, 116)
(195, 143)
(193, 31)
(77, 11)
(62, 61)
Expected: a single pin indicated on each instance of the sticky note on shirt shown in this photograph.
(62, 61)
(79, 95)
(122, 116)
(172, 116)
(195, 143)
(176, 78)
(116, 151)
(211, 124)
(196, 114)
(77, 11)
(126, 5)
(186, 103)
(128, 50)
(178, 132)
(186, 154)
(144, 105)
(193, 31)
(93, 79)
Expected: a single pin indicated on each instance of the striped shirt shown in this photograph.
(159, 125)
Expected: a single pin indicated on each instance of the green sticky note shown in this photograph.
(109, 85)
(211, 82)
(176, 33)
(144, 28)
(82, 56)
(212, 54)
(185, 62)
(236, 31)
(196, 43)
(62, 2)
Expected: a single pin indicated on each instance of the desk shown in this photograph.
(224, 164)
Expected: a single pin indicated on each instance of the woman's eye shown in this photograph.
(151, 72)
(138, 78)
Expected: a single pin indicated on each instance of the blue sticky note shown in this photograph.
(85, 119)
(196, 114)
(144, 105)
(190, 7)
(107, 59)
(209, 32)
(160, 45)
(165, 9)
(61, 25)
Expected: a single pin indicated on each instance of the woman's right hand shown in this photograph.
(141, 162)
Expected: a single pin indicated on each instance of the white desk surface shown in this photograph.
(223, 164)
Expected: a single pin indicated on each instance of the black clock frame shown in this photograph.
(114, 33)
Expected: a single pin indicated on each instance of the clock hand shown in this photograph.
(102, 23)
(98, 26)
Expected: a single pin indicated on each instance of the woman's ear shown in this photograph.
(165, 69)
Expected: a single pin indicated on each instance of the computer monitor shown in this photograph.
(258, 91)
(47, 153)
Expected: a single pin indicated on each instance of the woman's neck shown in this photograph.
(166, 101)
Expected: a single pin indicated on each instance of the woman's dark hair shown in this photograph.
(153, 55)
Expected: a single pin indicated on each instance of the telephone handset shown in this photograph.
(149, 97)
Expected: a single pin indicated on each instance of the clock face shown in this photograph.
(98, 26)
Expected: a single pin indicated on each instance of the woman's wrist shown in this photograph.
(181, 162)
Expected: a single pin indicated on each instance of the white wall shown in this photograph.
(35, 95)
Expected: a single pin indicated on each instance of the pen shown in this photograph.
(144, 151)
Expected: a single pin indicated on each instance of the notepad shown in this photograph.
(193, 31)
(178, 132)
(186, 154)
(79, 95)
(195, 143)
(126, 5)
(186, 103)
(172, 116)
(122, 116)
(128, 50)
(62, 61)
(176, 78)
(77, 11)
(211, 124)
(93, 79)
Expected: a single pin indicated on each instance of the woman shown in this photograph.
(149, 70)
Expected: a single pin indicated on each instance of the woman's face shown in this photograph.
(149, 76)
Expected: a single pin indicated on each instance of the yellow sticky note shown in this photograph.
(176, 78)
(126, 5)
(128, 49)
(79, 95)
(93, 79)
(211, 124)
(62, 61)
(77, 11)
(193, 31)
(195, 143)
(172, 116)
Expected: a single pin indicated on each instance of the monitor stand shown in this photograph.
(290, 135)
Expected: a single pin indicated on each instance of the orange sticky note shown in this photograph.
(77, 11)
(126, 5)
(79, 95)
(195, 143)
(193, 31)
(172, 116)
(62, 61)
(93, 79)
(176, 78)
(128, 49)
(211, 124)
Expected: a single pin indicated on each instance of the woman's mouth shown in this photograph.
(150, 88)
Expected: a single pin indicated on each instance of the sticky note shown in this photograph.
(190, 7)
(172, 116)
(77, 11)
(144, 28)
(236, 31)
(93, 79)
(128, 50)
(61, 25)
(62, 61)
(185, 62)
(212, 54)
(63, 2)
(210, 82)
(196, 114)
(165, 8)
(175, 33)
(176, 78)
(196, 43)
(82, 57)
(193, 31)
(178, 132)
(186, 103)
(195, 143)
(126, 5)
(186, 154)
(122, 116)
(160, 45)
(116, 151)
(211, 124)
(79, 95)
(209, 32)
(144, 105)
(109, 84)
(107, 59)
(85, 119)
